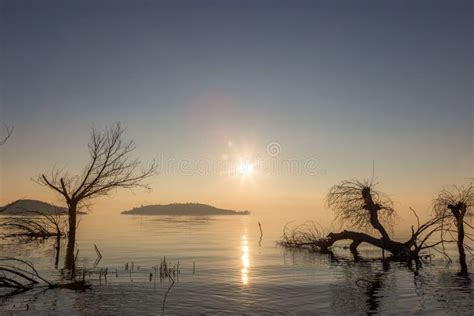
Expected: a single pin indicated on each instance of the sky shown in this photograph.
(308, 93)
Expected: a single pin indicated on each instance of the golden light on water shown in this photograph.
(245, 261)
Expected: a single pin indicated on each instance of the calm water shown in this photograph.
(235, 272)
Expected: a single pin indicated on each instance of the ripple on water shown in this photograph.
(233, 273)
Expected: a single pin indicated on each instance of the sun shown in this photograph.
(245, 169)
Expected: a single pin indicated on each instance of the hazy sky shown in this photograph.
(341, 84)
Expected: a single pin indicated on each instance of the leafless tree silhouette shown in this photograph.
(110, 167)
(29, 225)
(358, 205)
(455, 205)
(35, 225)
(20, 276)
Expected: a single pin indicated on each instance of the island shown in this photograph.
(189, 209)
(27, 207)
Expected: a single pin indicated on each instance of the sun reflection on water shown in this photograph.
(245, 260)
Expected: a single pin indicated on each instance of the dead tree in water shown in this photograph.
(18, 276)
(109, 167)
(455, 205)
(366, 210)
(38, 225)
(28, 225)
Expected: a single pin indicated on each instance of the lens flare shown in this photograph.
(245, 169)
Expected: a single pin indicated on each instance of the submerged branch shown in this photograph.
(39, 225)
(20, 275)
(360, 206)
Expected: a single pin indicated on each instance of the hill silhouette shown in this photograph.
(28, 207)
(182, 209)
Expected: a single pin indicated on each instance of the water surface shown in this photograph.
(234, 272)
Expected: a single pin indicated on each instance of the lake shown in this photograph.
(226, 268)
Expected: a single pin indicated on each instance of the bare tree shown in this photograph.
(38, 225)
(110, 167)
(455, 205)
(360, 206)
(30, 225)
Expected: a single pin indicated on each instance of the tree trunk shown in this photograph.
(57, 247)
(71, 242)
(398, 249)
(373, 210)
(459, 211)
(462, 253)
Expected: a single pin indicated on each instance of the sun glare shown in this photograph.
(245, 169)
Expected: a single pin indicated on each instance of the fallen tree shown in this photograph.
(370, 213)
(35, 225)
(18, 276)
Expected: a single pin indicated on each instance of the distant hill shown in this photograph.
(182, 209)
(21, 207)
